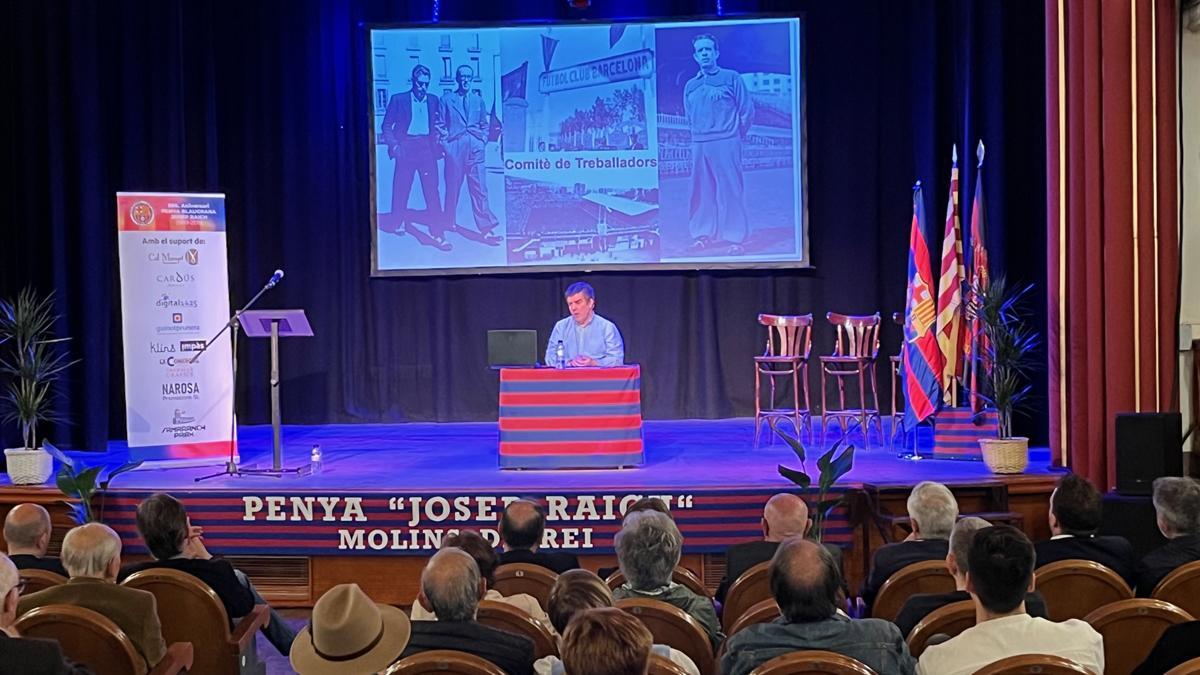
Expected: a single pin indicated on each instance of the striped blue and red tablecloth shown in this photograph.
(571, 418)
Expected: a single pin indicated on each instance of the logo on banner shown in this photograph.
(183, 425)
(166, 301)
(177, 318)
(192, 256)
(175, 278)
(181, 417)
(142, 214)
(192, 345)
(180, 391)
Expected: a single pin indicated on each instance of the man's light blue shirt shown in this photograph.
(599, 339)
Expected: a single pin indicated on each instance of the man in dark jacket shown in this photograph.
(1177, 504)
(1075, 511)
(176, 544)
(932, 511)
(25, 656)
(521, 530)
(451, 588)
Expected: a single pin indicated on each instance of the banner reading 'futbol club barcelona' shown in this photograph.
(175, 296)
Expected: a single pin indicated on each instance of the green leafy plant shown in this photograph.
(1009, 355)
(831, 466)
(33, 359)
(82, 484)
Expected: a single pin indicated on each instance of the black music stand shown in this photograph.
(274, 324)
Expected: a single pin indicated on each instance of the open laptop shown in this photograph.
(512, 348)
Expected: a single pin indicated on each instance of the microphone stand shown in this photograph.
(234, 325)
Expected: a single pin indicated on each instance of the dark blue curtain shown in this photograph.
(267, 102)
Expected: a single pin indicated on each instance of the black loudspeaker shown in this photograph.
(1149, 445)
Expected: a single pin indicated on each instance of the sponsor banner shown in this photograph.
(284, 522)
(175, 296)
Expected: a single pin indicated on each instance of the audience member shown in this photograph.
(576, 591)
(176, 544)
(785, 515)
(643, 504)
(451, 588)
(1075, 509)
(649, 504)
(648, 549)
(932, 511)
(1178, 644)
(521, 529)
(606, 641)
(919, 606)
(999, 575)
(349, 634)
(1177, 503)
(806, 584)
(27, 532)
(25, 656)
(485, 557)
(92, 555)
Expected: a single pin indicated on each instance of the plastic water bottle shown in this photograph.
(560, 359)
(314, 461)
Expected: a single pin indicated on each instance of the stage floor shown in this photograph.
(458, 457)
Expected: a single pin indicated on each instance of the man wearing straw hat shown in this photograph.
(350, 635)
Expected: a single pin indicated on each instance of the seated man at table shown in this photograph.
(587, 338)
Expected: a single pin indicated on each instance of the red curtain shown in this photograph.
(1112, 221)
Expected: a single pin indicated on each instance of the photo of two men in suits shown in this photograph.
(418, 130)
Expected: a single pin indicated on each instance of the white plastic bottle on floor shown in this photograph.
(314, 460)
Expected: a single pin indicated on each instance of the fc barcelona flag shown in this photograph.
(922, 356)
(977, 344)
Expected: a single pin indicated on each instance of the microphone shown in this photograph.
(275, 278)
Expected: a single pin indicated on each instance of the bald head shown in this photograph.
(92, 550)
(785, 515)
(450, 585)
(522, 525)
(805, 580)
(27, 530)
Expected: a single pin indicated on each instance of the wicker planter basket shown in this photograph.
(1005, 455)
(28, 467)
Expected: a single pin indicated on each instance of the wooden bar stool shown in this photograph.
(789, 341)
(855, 353)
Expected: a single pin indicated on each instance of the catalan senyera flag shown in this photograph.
(922, 363)
(976, 345)
(950, 332)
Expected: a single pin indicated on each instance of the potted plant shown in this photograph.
(832, 467)
(33, 359)
(1008, 357)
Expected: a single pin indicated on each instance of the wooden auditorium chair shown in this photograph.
(927, 576)
(1042, 664)
(514, 620)
(749, 589)
(1181, 588)
(681, 576)
(674, 627)
(947, 620)
(1074, 588)
(92, 639)
(444, 661)
(764, 611)
(191, 612)
(855, 354)
(527, 578)
(1131, 628)
(39, 580)
(789, 342)
(813, 662)
(1190, 667)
